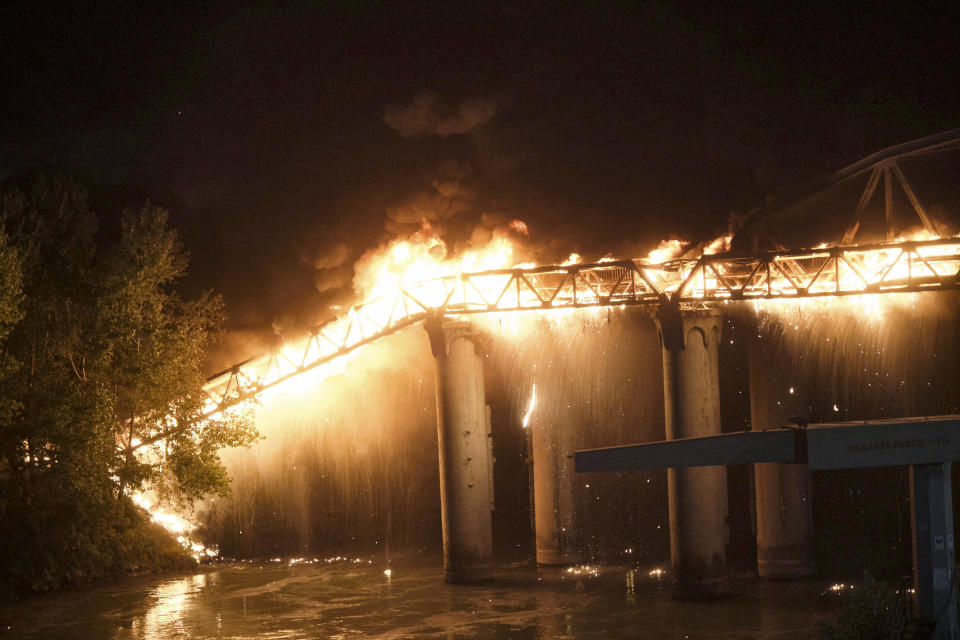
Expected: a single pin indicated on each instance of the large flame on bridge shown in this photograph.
(412, 277)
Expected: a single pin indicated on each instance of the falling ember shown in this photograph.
(531, 406)
(584, 570)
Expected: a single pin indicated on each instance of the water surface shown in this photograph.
(348, 598)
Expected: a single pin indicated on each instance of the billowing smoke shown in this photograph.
(472, 211)
(425, 115)
(332, 257)
(331, 279)
(331, 269)
(448, 196)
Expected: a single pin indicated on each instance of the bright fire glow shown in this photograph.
(719, 244)
(416, 274)
(858, 274)
(667, 250)
(531, 406)
(404, 279)
(175, 524)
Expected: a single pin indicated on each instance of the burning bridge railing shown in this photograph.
(890, 267)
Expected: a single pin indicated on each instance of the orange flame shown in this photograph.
(667, 250)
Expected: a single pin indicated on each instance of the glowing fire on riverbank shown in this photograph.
(175, 524)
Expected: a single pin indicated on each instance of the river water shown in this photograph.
(354, 598)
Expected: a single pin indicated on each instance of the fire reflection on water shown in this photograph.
(167, 616)
(284, 600)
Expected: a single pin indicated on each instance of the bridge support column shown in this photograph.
(463, 436)
(784, 517)
(697, 495)
(934, 572)
(553, 489)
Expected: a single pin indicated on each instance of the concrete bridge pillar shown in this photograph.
(784, 520)
(934, 565)
(466, 461)
(697, 495)
(553, 489)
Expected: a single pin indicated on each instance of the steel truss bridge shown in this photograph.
(843, 269)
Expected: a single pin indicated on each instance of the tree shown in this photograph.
(152, 349)
(11, 295)
(109, 391)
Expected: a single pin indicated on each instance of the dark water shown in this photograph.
(348, 599)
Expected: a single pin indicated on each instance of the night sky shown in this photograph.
(274, 133)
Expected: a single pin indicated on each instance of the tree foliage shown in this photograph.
(107, 395)
(10, 314)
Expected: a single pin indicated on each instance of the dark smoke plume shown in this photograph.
(426, 116)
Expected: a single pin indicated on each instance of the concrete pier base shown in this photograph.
(466, 485)
(783, 505)
(934, 568)
(553, 489)
(697, 496)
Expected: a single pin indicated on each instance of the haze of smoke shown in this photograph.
(426, 116)
(332, 257)
(426, 206)
(449, 197)
(331, 279)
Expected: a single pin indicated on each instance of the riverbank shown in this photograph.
(133, 546)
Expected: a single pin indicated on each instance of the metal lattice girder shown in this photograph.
(882, 164)
(578, 285)
(244, 381)
(890, 267)
(908, 266)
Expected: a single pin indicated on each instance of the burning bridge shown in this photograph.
(905, 266)
(686, 296)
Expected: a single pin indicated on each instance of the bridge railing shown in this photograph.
(906, 266)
